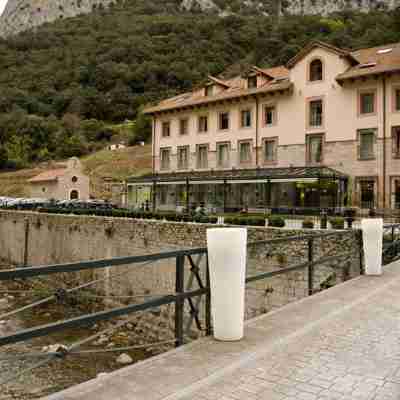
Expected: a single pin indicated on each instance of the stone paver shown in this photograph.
(341, 344)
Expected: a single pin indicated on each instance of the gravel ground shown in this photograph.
(29, 386)
(59, 373)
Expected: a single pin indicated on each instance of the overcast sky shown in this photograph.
(2, 5)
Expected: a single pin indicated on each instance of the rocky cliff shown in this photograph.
(20, 15)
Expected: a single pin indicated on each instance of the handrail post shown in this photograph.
(310, 267)
(208, 300)
(393, 249)
(361, 253)
(26, 242)
(179, 303)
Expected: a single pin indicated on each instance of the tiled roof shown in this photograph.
(374, 60)
(301, 54)
(48, 176)
(364, 62)
(275, 72)
(219, 81)
(190, 99)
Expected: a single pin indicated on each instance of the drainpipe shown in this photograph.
(256, 131)
(384, 140)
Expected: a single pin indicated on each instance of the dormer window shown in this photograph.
(208, 90)
(316, 70)
(252, 82)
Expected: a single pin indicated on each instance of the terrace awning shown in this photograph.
(258, 175)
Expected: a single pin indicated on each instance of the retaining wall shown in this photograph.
(38, 239)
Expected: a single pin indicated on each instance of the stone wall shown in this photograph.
(65, 238)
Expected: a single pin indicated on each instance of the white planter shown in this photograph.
(372, 230)
(227, 251)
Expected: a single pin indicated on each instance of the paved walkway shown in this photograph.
(343, 343)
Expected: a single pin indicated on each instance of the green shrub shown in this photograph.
(228, 220)
(236, 221)
(337, 223)
(276, 221)
(308, 224)
(197, 218)
(256, 221)
(171, 217)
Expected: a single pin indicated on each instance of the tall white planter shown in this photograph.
(372, 230)
(227, 251)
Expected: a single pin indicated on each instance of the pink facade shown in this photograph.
(327, 108)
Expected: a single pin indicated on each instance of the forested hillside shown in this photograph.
(62, 87)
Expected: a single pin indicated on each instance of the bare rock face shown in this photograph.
(203, 5)
(20, 15)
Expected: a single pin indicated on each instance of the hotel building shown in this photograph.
(321, 131)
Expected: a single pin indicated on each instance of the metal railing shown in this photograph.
(391, 243)
(177, 298)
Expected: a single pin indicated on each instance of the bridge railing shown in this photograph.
(391, 243)
(181, 297)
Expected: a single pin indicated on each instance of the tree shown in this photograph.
(141, 129)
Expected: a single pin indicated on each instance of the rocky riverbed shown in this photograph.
(59, 373)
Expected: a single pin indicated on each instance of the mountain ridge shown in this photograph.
(22, 15)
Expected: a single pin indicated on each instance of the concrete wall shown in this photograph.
(58, 238)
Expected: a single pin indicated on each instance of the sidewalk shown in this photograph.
(343, 343)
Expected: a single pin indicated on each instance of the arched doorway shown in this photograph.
(74, 195)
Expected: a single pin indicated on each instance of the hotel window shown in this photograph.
(314, 148)
(252, 82)
(366, 141)
(183, 157)
(269, 115)
(316, 70)
(202, 156)
(223, 121)
(367, 194)
(244, 152)
(203, 123)
(245, 118)
(367, 103)
(166, 129)
(165, 159)
(183, 126)
(270, 150)
(396, 141)
(397, 99)
(316, 113)
(223, 155)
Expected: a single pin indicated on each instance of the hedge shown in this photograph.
(337, 223)
(122, 213)
(308, 224)
(276, 221)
